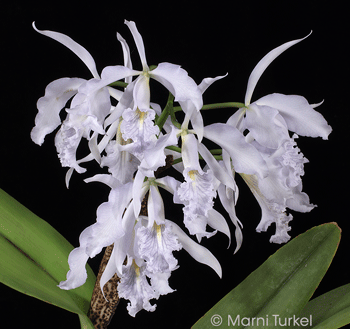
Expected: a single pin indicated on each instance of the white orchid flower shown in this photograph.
(146, 242)
(268, 121)
(197, 192)
(156, 246)
(89, 106)
(199, 188)
(138, 118)
(111, 226)
(281, 189)
(261, 117)
(172, 76)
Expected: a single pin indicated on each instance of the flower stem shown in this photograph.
(174, 148)
(118, 84)
(216, 106)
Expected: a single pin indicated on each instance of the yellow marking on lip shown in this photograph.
(159, 233)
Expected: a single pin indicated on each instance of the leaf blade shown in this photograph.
(34, 258)
(284, 283)
(330, 310)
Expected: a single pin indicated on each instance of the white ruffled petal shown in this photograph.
(160, 284)
(264, 127)
(108, 227)
(67, 141)
(299, 115)
(300, 200)
(271, 212)
(57, 93)
(156, 245)
(120, 162)
(77, 274)
(135, 287)
(138, 126)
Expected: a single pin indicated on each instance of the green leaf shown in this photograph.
(85, 322)
(281, 286)
(33, 259)
(330, 310)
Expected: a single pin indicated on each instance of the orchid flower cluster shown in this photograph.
(132, 137)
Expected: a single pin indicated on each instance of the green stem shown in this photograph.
(216, 151)
(165, 113)
(118, 84)
(174, 148)
(216, 106)
(178, 160)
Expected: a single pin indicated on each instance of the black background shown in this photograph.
(207, 40)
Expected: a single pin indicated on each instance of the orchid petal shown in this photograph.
(141, 93)
(57, 93)
(114, 73)
(156, 244)
(300, 200)
(115, 93)
(217, 170)
(203, 86)
(155, 157)
(198, 125)
(155, 207)
(138, 192)
(218, 222)
(245, 157)
(169, 184)
(120, 162)
(177, 81)
(108, 272)
(77, 275)
(94, 148)
(126, 55)
(105, 179)
(108, 228)
(263, 64)
(299, 115)
(77, 49)
(96, 99)
(120, 248)
(261, 123)
(189, 152)
(123, 244)
(228, 201)
(139, 43)
(198, 252)
(135, 287)
(125, 102)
